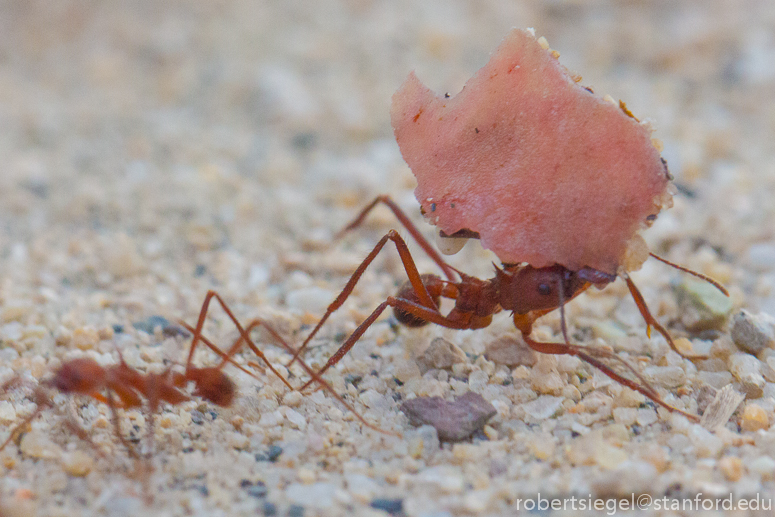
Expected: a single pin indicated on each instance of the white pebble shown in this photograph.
(312, 299)
(763, 465)
(667, 376)
(543, 407)
(319, 496)
(706, 443)
(7, 412)
(443, 477)
(363, 488)
(295, 418)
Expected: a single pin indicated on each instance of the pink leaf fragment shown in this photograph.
(544, 170)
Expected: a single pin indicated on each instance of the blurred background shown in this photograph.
(152, 150)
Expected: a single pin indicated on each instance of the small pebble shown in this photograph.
(703, 307)
(747, 370)
(510, 350)
(762, 465)
(406, 370)
(754, 418)
(625, 415)
(296, 510)
(731, 467)
(761, 256)
(453, 421)
(150, 324)
(85, 338)
(310, 299)
(319, 496)
(666, 376)
(541, 446)
(77, 463)
(440, 354)
(272, 454)
(443, 477)
(269, 509)
(706, 443)
(292, 398)
(715, 379)
(424, 442)
(306, 476)
(295, 419)
(361, 487)
(15, 310)
(753, 333)
(257, 490)
(544, 377)
(7, 412)
(478, 380)
(628, 398)
(197, 417)
(721, 408)
(37, 444)
(543, 407)
(237, 441)
(391, 506)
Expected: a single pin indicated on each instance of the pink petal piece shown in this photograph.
(545, 171)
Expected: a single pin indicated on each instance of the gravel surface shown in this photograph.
(154, 151)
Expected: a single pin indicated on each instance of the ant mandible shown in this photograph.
(527, 292)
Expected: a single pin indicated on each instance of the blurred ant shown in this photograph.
(125, 387)
(526, 291)
(122, 387)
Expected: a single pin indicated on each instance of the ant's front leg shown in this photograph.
(593, 356)
(651, 321)
(415, 310)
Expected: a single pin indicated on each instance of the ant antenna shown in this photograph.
(693, 273)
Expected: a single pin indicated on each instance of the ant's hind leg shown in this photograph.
(410, 227)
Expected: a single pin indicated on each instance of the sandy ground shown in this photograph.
(152, 151)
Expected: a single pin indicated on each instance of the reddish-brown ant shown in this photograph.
(527, 292)
(122, 387)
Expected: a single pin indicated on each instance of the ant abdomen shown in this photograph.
(408, 293)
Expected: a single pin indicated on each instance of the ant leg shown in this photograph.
(17, 429)
(693, 273)
(583, 353)
(449, 272)
(411, 271)
(225, 357)
(561, 299)
(417, 310)
(117, 425)
(245, 338)
(315, 377)
(651, 320)
(198, 336)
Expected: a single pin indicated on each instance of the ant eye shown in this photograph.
(544, 289)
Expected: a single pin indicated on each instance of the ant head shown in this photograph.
(213, 385)
(81, 375)
(525, 288)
